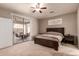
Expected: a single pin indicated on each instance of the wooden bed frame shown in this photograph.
(60, 30)
(49, 43)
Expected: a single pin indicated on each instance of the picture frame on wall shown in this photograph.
(57, 21)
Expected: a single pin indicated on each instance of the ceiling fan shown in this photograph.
(38, 7)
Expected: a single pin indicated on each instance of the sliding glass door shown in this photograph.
(21, 29)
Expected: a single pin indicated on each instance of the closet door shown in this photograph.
(6, 32)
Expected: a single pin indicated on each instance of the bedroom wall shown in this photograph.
(69, 23)
(33, 27)
(78, 26)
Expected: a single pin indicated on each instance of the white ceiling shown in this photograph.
(25, 8)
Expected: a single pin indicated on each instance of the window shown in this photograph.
(18, 25)
(20, 28)
(28, 28)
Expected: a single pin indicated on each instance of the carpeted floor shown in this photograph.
(31, 49)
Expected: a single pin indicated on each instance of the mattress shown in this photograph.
(53, 36)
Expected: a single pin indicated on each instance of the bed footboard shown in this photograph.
(47, 43)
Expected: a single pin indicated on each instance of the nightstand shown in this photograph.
(70, 39)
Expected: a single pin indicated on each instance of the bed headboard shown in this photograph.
(60, 30)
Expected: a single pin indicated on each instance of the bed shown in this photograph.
(52, 38)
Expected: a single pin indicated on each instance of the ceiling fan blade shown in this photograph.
(40, 11)
(43, 7)
(33, 11)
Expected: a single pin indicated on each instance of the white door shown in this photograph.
(6, 32)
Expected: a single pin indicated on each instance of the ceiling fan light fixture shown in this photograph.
(37, 9)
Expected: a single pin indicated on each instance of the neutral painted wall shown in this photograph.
(6, 32)
(69, 23)
(78, 26)
(33, 27)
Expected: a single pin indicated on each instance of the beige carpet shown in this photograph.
(31, 49)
